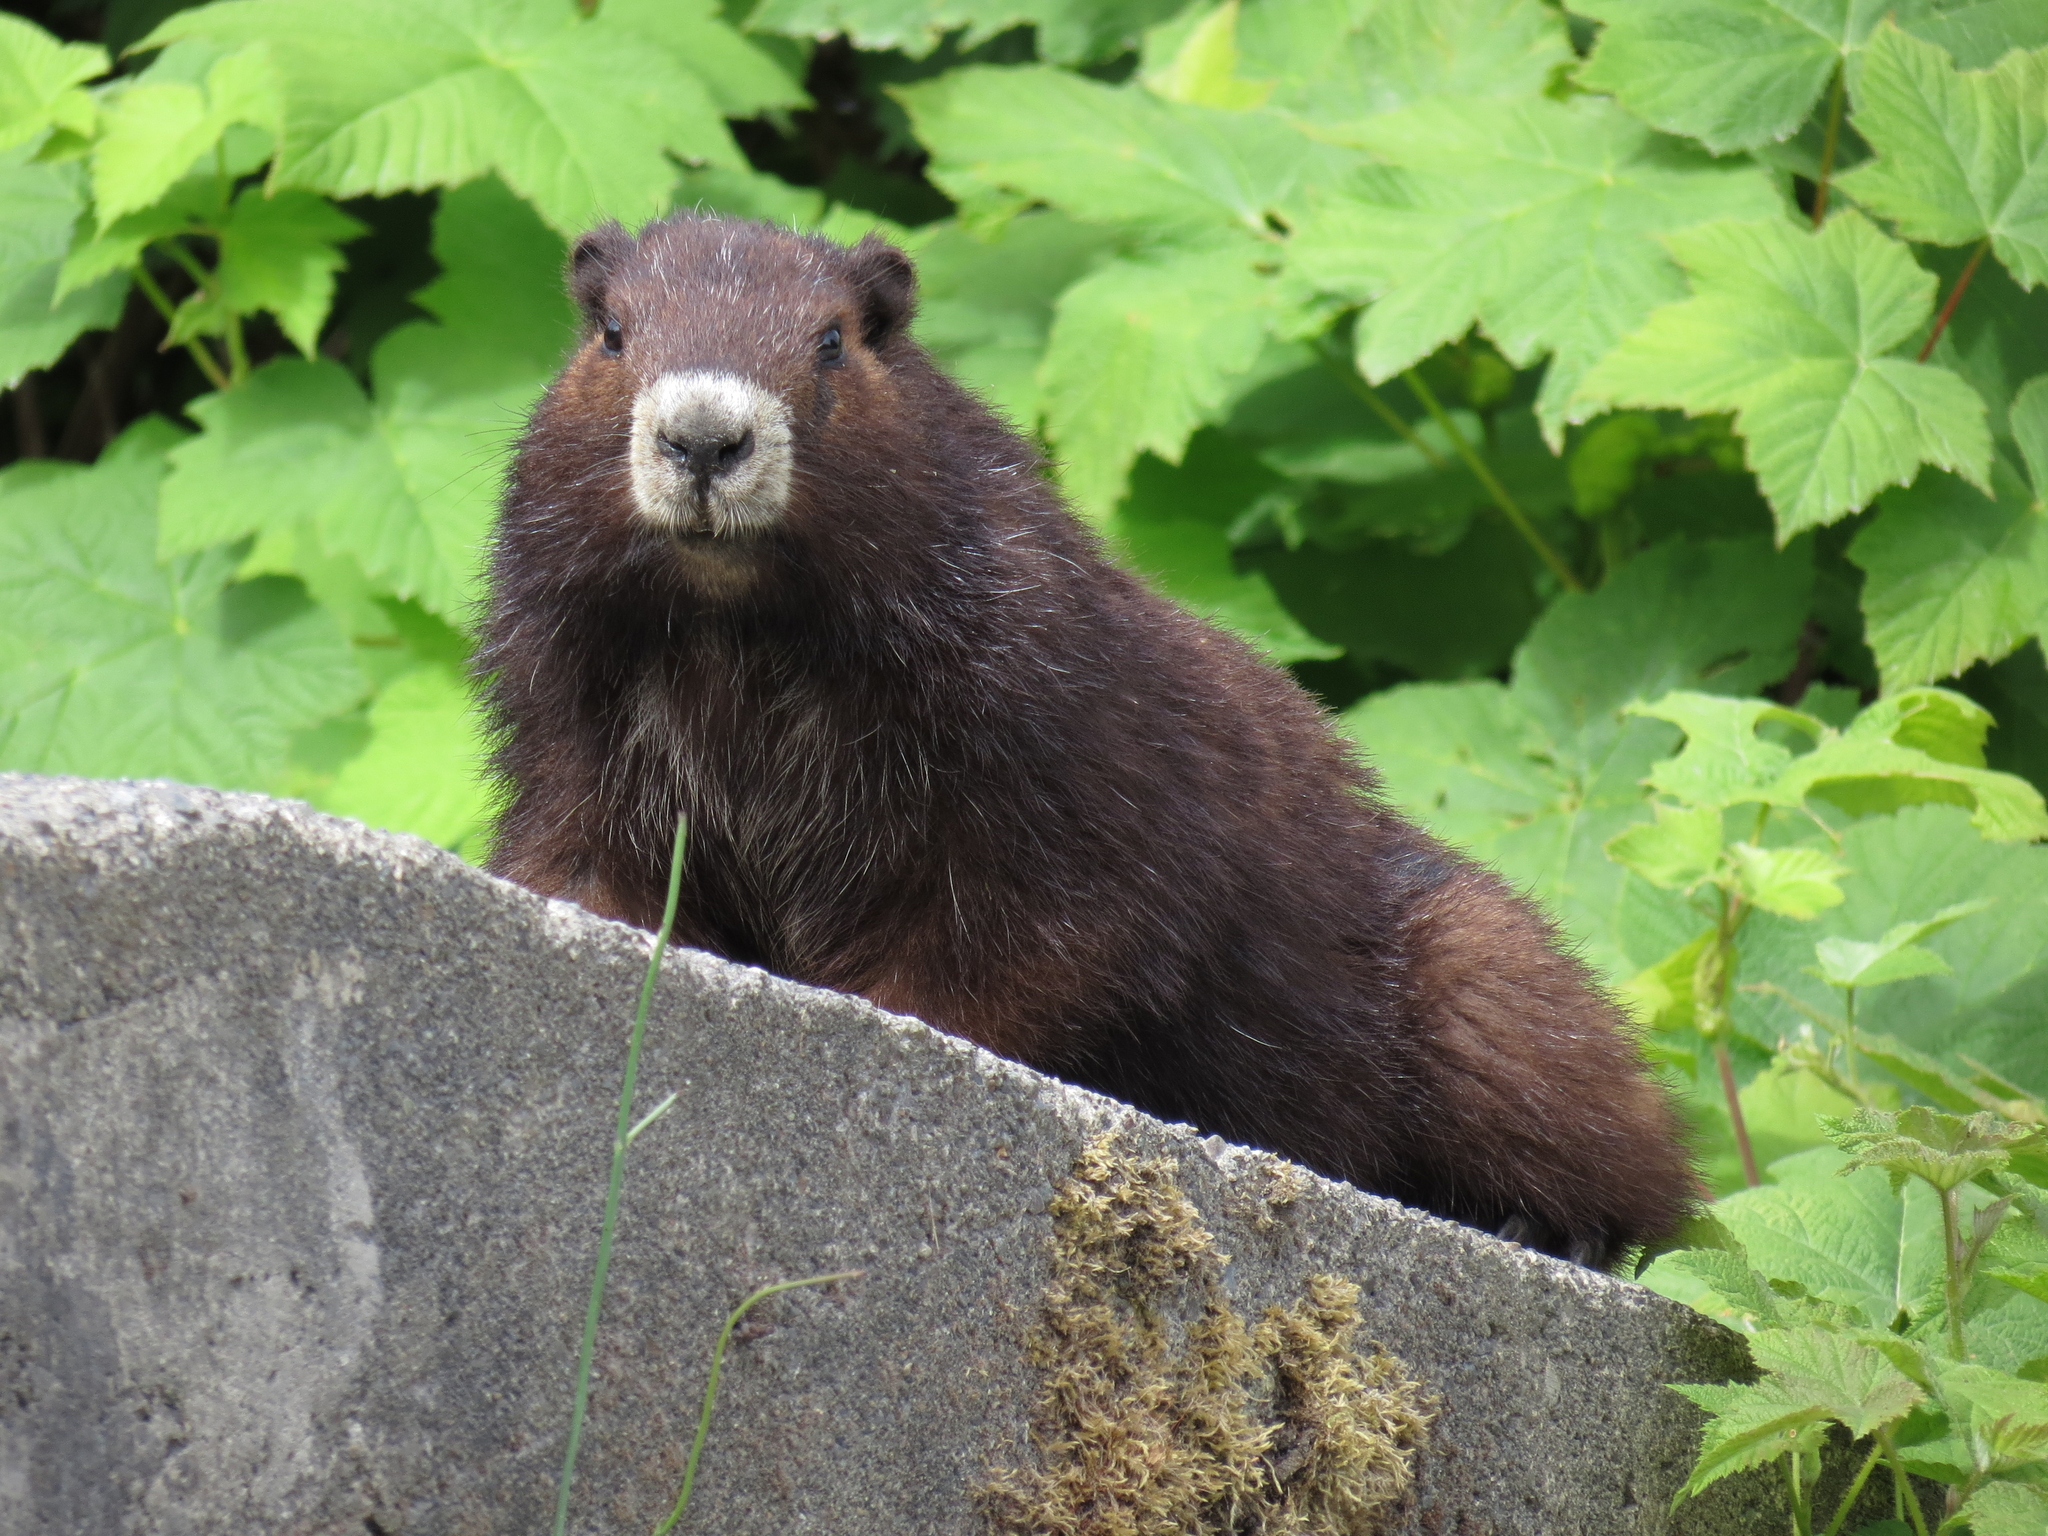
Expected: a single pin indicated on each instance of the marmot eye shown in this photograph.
(614, 338)
(830, 348)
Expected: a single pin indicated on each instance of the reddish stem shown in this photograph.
(1742, 1146)
(1955, 295)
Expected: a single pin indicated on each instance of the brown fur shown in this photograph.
(938, 750)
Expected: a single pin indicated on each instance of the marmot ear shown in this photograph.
(591, 266)
(887, 285)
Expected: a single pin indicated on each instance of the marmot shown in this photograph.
(762, 563)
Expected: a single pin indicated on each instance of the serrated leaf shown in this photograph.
(2006, 1508)
(1068, 31)
(1896, 956)
(114, 664)
(1960, 154)
(424, 768)
(1953, 576)
(1142, 352)
(1751, 1426)
(43, 203)
(579, 115)
(1945, 1150)
(2007, 1417)
(153, 131)
(1680, 849)
(1724, 761)
(1534, 219)
(1733, 74)
(1108, 155)
(1881, 762)
(404, 485)
(1852, 1383)
(1845, 1239)
(1791, 331)
(39, 77)
(276, 253)
(743, 79)
(1537, 777)
(1792, 882)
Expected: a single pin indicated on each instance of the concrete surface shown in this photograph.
(304, 1131)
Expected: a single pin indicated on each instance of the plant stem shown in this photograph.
(1741, 1127)
(711, 1386)
(618, 1176)
(1802, 1512)
(1828, 143)
(1849, 1037)
(1386, 413)
(1902, 1487)
(1955, 295)
(1855, 1488)
(1952, 1269)
(1501, 499)
(153, 291)
(238, 351)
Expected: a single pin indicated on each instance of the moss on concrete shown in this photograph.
(1163, 1412)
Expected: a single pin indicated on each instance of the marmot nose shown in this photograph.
(707, 453)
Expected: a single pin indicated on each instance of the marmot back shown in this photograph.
(762, 564)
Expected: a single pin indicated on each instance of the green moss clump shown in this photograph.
(1163, 1413)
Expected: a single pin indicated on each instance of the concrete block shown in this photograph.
(304, 1131)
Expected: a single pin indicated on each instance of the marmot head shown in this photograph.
(722, 357)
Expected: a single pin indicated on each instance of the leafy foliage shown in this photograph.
(1632, 419)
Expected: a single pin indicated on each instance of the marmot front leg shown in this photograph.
(1543, 1125)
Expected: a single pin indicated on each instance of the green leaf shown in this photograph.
(1108, 155)
(1143, 351)
(2007, 1417)
(1734, 74)
(1924, 858)
(2006, 1508)
(1679, 850)
(113, 664)
(1535, 219)
(1068, 31)
(985, 307)
(276, 253)
(1536, 778)
(2028, 421)
(1174, 528)
(1845, 1239)
(1855, 1385)
(1909, 748)
(1814, 1376)
(405, 486)
(1790, 330)
(423, 770)
(1202, 68)
(1792, 882)
(1897, 956)
(39, 78)
(1334, 64)
(1724, 761)
(1960, 154)
(154, 130)
(1945, 1150)
(43, 203)
(1954, 576)
(579, 115)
